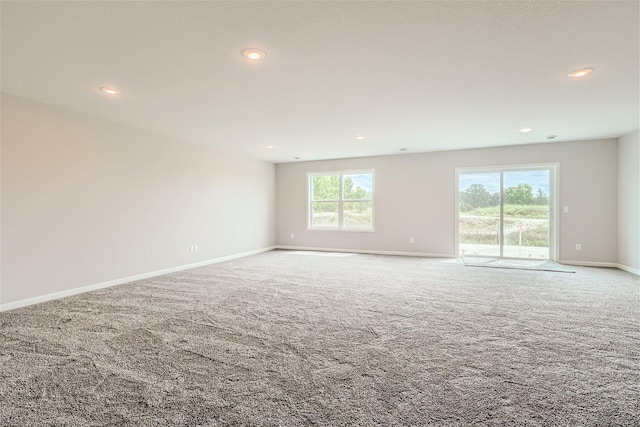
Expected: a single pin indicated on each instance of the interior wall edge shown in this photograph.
(629, 269)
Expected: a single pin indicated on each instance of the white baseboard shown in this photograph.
(589, 263)
(365, 251)
(95, 286)
(602, 264)
(82, 289)
(629, 269)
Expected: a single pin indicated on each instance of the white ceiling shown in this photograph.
(424, 76)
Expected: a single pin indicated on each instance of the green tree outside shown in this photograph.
(350, 193)
(522, 194)
(541, 198)
(326, 187)
(474, 197)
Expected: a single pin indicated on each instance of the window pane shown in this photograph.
(325, 187)
(358, 215)
(324, 214)
(358, 186)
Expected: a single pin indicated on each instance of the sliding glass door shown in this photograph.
(507, 212)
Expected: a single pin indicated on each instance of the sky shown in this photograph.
(491, 180)
(364, 180)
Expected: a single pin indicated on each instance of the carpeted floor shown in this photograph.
(285, 338)
(517, 264)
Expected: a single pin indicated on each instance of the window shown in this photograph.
(341, 200)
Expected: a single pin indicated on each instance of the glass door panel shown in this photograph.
(479, 214)
(526, 214)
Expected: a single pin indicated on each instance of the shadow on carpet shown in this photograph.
(517, 264)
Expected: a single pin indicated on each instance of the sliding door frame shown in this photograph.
(554, 197)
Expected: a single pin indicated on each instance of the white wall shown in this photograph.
(415, 197)
(86, 201)
(629, 201)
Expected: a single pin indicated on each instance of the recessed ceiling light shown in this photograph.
(270, 146)
(297, 158)
(581, 72)
(110, 90)
(253, 54)
(360, 138)
(526, 130)
(403, 149)
(552, 136)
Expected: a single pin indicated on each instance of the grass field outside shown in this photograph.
(525, 226)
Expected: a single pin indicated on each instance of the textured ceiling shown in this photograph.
(424, 76)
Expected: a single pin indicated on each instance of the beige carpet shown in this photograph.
(289, 338)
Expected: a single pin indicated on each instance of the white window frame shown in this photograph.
(341, 201)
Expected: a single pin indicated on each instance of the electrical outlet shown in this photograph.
(578, 247)
(191, 248)
(565, 209)
(292, 235)
(195, 248)
(411, 240)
